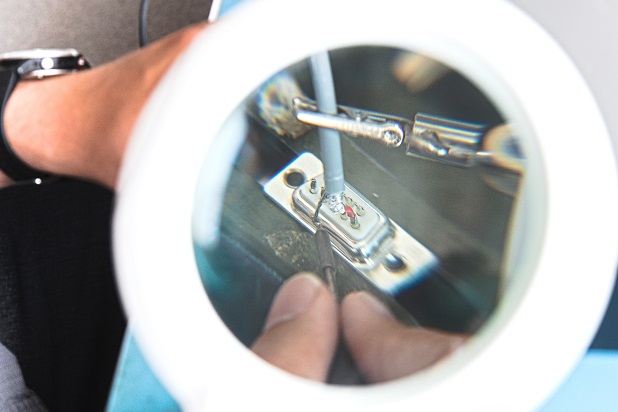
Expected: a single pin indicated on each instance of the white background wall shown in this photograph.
(101, 29)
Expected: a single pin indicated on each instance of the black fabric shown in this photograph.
(60, 313)
(26, 403)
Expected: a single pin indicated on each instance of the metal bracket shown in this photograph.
(375, 246)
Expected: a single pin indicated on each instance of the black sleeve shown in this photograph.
(60, 313)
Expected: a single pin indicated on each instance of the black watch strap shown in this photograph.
(10, 164)
(28, 65)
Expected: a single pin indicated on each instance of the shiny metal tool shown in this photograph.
(282, 106)
(431, 137)
(390, 130)
(326, 258)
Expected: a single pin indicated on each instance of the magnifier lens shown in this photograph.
(427, 223)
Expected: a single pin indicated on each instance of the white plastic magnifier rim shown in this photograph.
(193, 352)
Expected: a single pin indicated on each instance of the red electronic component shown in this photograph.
(349, 211)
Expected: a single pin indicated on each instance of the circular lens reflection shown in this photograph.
(424, 225)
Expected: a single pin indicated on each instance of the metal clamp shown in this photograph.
(390, 130)
(431, 137)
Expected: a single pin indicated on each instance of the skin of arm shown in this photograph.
(79, 124)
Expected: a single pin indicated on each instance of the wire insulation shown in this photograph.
(330, 145)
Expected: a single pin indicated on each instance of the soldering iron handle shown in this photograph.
(325, 250)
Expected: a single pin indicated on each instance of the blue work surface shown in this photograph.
(592, 387)
(135, 387)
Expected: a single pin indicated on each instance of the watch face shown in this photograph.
(39, 63)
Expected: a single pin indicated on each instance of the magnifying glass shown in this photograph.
(215, 207)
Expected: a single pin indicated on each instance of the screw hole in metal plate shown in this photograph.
(393, 263)
(294, 178)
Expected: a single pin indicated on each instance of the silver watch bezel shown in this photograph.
(48, 59)
(38, 54)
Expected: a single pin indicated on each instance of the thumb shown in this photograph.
(301, 330)
(385, 348)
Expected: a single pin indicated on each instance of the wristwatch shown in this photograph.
(30, 65)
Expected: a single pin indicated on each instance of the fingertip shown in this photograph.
(301, 330)
(293, 298)
(356, 304)
(364, 322)
(383, 347)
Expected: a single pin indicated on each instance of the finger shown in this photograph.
(383, 347)
(4, 180)
(301, 330)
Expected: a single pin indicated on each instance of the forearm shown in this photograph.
(79, 124)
